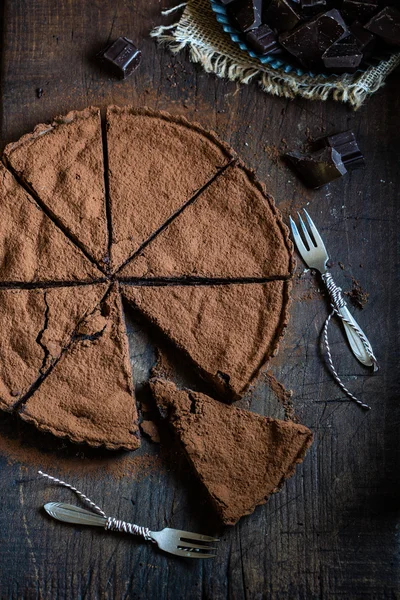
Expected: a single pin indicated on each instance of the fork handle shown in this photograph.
(355, 340)
(358, 341)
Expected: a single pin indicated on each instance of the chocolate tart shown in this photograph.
(62, 163)
(228, 331)
(170, 202)
(240, 457)
(95, 401)
(230, 231)
(156, 163)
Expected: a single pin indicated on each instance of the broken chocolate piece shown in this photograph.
(358, 10)
(246, 14)
(262, 40)
(342, 57)
(309, 41)
(281, 15)
(345, 143)
(364, 39)
(122, 57)
(386, 25)
(319, 169)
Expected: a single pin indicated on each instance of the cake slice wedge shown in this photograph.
(156, 163)
(36, 326)
(231, 231)
(32, 247)
(62, 163)
(240, 457)
(88, 395)
(228, 331)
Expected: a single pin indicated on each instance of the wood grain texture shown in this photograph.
(332, 530)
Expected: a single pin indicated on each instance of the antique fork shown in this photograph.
(314, 254)
(173, 541)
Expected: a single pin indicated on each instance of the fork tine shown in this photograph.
(187, 554)
(314, 231)
(188, 535)
(196, 546)
(297, 238)
(309, 241)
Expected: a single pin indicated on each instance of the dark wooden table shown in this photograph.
(332, 532)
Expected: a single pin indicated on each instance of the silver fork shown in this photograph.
(314, 254)
(173, 541)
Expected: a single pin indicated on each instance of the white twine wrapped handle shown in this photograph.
(111, 524)
(338, 302)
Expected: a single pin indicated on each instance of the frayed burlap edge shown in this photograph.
(199, 31)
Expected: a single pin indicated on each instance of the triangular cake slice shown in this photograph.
(157, 162)
(228, 331)
(231, 230)
(240, 457)
(36, 325)
(32, 248)
(63, 164)
(88, 396)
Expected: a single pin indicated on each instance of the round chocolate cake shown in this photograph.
(149, 207)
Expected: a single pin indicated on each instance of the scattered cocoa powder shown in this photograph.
(357, 296)
(283, 395)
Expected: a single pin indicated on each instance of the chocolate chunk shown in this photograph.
(346, 144)
(281, 15)
(386, 25)
(246, 14)
(365, 40)
(342, 57)
(312, 7)
(122, 57)
(319, 169)
(358, 10)
(309, 41)
(262, 40)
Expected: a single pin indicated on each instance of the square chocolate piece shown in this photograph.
(281, 15)
(358, 10)
(386, 25)
(121, 57)
(343, 57)
(262, 40)
(309, 41)
(246, 14)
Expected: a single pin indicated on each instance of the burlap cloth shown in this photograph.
(210, 46)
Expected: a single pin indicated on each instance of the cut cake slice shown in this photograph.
(32, 247)
(63, 164)
(157, 162)
(232, 230)
(240, 457)
(88, 396)
(36, 326)
(228, 331)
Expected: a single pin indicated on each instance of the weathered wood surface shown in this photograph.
(332, 530)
